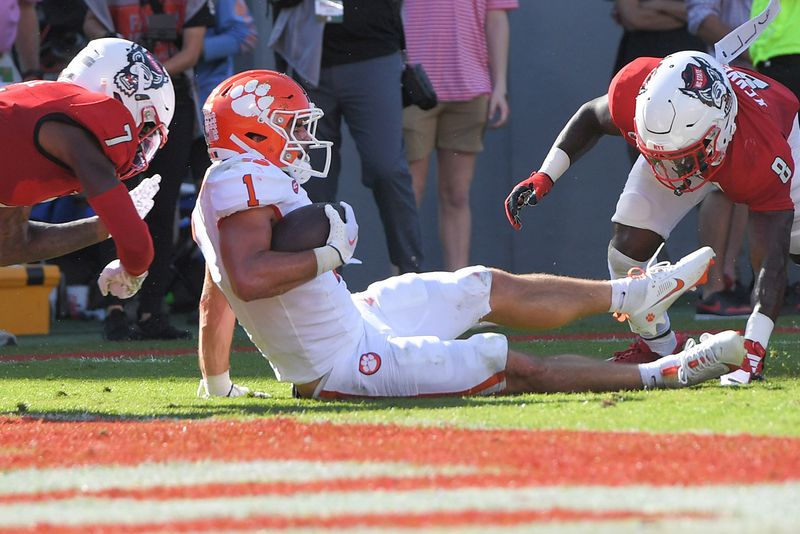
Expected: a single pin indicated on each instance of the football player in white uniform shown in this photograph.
(397, 338)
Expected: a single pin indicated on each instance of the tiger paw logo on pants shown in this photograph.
(369, 363)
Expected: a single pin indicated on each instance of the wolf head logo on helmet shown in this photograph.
(129, 73)
(707, 84)
(142, 70)
(268, 115)
(685, 119)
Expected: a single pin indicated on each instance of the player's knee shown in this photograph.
(619, 263)
(637, 243)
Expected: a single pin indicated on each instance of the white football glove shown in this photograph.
(116, 280)
(144, 193)
(343, 236)
(234, 391)
(342, 240)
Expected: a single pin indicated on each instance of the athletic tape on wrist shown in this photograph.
(219, 385)
(328, 259)
(759, 328)
(555, 163)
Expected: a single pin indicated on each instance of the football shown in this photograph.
(305, 228)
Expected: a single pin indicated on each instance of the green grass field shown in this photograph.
(163, 385)
(121, 443)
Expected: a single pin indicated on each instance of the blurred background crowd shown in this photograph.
(427, 185)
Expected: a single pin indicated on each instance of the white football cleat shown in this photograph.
(714, 356)
(664, 283)
(739, 377)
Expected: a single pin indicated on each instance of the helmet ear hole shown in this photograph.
(256, 137)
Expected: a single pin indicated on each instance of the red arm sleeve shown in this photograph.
(130, 233)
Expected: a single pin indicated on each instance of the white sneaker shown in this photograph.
(714, 356)
(739, 377)
(664, 283)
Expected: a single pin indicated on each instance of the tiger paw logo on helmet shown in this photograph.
(252, 99)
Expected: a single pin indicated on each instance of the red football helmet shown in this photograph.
(267, 114)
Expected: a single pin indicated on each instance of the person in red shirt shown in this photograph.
(694, 121)
(100, 123)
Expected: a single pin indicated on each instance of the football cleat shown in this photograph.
(722, 305)
(714, 356)
(664, 283)
(640, 351)
(752, 366)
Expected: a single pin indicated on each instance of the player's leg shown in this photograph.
(712, 357)
(417, 366)
(425, 366)
(645, 215)
(548, 301)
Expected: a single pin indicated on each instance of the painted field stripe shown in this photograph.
(543, 457)
(778, 501)
(356, 523)
(145, 475)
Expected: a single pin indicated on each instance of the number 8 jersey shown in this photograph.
(29, 174)
(758, 165)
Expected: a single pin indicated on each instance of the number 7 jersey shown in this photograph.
(29, 174)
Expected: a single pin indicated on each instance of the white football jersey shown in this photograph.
(303, 331)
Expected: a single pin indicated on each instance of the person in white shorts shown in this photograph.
(399, 337)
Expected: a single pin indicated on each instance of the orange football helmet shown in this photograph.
(267, 114)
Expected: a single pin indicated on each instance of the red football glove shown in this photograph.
(527, 192)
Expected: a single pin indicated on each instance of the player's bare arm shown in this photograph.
(216, 329)
(255, 270)
(217, 322)
(23, 241)
(585, 128)
(769, 246)
(591, 122)
(77, 149)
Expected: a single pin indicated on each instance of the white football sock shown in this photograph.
(665, 343)
(651, 375)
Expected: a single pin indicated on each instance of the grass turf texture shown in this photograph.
(163, 386)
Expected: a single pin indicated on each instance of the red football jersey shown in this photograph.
(30, 176)
(758, 165)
